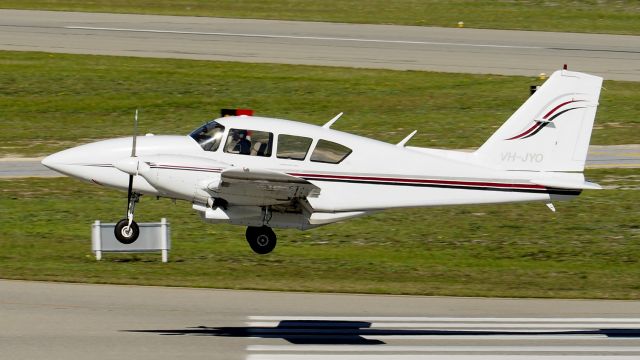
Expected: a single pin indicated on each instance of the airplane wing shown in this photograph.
(244, 186)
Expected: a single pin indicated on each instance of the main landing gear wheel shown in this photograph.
(126, 234)
(261, 239)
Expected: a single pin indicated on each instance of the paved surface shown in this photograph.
(615, 57)
(76, 321)
(614, 156)
(24, 167)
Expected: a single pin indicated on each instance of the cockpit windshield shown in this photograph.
(209, 135)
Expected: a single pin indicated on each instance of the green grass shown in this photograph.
(590, 248)
(50, 102)
(593, 16)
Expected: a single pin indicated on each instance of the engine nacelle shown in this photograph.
(182, 177)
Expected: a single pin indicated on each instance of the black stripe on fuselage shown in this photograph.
(164, 167)
(98, 165)
(550, 191)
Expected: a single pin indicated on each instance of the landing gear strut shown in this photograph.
(261, 239)
(127, 230)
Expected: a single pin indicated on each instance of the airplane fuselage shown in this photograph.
(266, 172)
(374, 176)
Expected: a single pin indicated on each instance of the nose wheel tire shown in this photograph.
(262, 240)
(126, 234)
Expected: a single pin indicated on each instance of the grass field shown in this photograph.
(594, 16)
(50, 102)
(590, 248)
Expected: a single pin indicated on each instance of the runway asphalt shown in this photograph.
(529, 53)
(40, 320)
(600, 157)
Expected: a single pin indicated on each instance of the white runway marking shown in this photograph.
(479, 326)
(269, 36)
(438, 349)
(433, 357)
(446, 319)
(576, 337)
(452, 338)
(532, 324)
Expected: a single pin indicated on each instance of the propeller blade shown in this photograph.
(135, 134)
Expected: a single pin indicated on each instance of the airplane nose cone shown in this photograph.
(70, 162)
(64, 161)
(54, 161)
(49, 161)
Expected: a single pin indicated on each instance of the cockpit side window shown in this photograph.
(209, 136)
(329, 152)
(249, 142)
(293, 147)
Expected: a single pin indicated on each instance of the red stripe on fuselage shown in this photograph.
(375, 179)
(419, 181)
(181, 167)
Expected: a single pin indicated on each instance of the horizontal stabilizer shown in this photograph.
(586, 185)
(327, 218)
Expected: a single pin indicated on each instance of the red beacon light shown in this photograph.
(235, 112)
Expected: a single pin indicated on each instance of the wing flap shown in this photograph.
(263, 187)
(246, 174)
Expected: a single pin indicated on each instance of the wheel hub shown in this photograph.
(127, 231)
(262, 240)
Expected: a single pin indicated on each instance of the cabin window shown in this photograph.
(249, 142)
(293, 147)
(329, 152)
(209, 136)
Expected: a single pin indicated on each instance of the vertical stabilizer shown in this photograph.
(551, 130)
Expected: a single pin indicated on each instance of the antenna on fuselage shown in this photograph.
(406, 139)
(330, 122)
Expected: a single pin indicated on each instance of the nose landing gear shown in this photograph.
(262, 240)
(127, 230)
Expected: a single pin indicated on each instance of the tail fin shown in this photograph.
(551, 130)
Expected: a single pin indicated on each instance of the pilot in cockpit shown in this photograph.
(242, 144)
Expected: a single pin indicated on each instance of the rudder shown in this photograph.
(551, 130)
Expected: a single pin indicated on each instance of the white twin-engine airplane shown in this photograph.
(270, 173)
